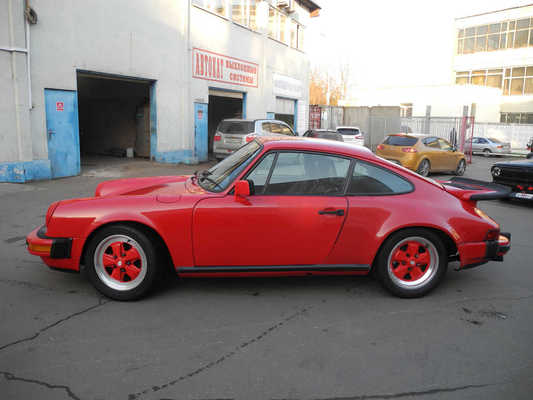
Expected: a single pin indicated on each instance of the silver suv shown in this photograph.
(233, 133)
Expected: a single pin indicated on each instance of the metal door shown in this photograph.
(63, 132)
(200, 131)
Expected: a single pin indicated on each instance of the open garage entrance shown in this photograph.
(223, 104)
(114, 117)
(286, 111)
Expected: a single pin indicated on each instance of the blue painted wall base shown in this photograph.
(175, 156)
(25, 171)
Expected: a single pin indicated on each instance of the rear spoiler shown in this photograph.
(474, 190)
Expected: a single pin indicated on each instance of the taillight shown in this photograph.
(492, 234)
(380, 147)
(408, 149)
(500, 147)
(250, 137)
(217, 137)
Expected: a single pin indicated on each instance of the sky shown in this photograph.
(391, 42)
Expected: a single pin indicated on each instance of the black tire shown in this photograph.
(101, 277)
(487, 152)
(409, 286)
(461, 167)
(529, 156)
(424, 167)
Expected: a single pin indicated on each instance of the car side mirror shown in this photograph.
(454, 148)
(244, 188)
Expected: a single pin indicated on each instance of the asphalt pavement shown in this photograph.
(323, 338)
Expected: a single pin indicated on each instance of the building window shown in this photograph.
(244, 12)
(495, 36)
(483, 77)
(516, 118)
(406, 110)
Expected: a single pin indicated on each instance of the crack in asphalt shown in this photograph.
(402, 394)
(221, 359)
(11, 377)
(101, 302)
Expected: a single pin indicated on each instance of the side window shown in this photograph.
(432, 142)
(265, 126)
(475, 140)
(285, 130)
(308, 174)
(445, 145)
(260, 172)
(482, 140)
(275, 128)
(368, 179)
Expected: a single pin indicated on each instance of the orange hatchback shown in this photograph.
(422, 153)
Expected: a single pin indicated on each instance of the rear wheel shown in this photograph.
(423, 168)
(412, 262)
(461, 167)
(121, 262)
(487, 152)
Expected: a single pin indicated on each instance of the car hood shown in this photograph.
(160, 186)
(516, 164)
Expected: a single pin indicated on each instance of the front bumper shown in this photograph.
(479, 253)
(53, 250)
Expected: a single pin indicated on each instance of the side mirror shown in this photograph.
(454, 148)
(243, 189)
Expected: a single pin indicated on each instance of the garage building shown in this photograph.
(141, 78)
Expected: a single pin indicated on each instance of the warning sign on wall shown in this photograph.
(60, 106)
(200, 114)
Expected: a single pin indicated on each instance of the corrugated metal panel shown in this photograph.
(223, 93)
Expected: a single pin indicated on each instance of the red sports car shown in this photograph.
(275, 207)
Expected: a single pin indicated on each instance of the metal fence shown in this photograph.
(516, 134)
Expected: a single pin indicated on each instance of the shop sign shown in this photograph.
(220, 68)
(285, 86)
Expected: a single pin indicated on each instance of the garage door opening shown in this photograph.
(286, 111)
(114, 117)
(222, 105)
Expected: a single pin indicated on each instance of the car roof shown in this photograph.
(413, 135)
(347, 127)
(302, 143)
(251, 120)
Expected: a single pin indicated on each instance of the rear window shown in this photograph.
(400, 140)
(494, 140)
(236, 127)
(347, 131)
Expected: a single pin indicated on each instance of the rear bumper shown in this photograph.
(479, 253)
(54, 251)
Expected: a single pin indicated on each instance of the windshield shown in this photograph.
(348, 131)
(221, 175)
(236, 127)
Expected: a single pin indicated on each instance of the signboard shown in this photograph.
(60, 106)
(220, 68)
(285, 86)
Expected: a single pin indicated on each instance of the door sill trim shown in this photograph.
(274, 268)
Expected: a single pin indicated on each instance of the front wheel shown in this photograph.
(121, 262)
(423, 168)
(412, 262)
(461, 167)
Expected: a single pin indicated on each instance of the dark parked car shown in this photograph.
(530, 148)
(516, 174)
(324, 134)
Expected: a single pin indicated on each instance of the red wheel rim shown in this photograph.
(412, 262)
(122, 261)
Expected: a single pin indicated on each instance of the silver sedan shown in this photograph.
(488, 146)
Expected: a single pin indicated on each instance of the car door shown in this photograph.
(433, 153)
(475, 144)
(448, 155)
(293, 218)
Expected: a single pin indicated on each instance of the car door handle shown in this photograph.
(339, 212)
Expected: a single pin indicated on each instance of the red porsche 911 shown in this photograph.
(275, 207)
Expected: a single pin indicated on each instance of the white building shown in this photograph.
(153, 75)
(495, 49)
